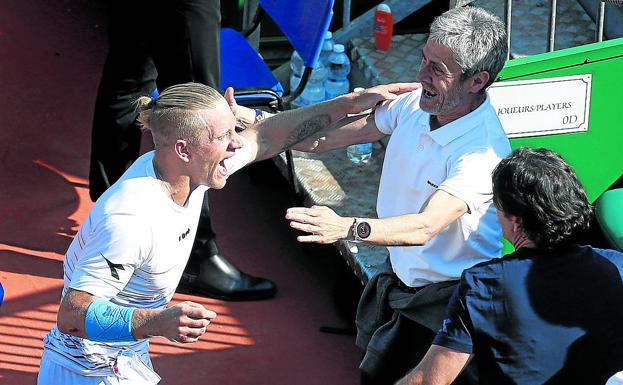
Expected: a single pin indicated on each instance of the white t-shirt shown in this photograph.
(457, 158)
(132, 250)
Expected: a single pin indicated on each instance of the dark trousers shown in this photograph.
(396, 326)
(407, 352)
(404, 355)
(151, 44)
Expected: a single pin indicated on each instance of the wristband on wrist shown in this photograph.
(108, 322)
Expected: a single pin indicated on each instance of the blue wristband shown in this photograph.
(107, 322)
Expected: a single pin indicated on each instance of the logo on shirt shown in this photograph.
(432, 184)
(113, 268)
(184, 234)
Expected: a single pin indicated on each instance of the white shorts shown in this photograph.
(131, 371)
(51, 373)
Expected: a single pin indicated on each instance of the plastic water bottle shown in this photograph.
(359, 154)
(296, 72)
(296, 67)
(314, 91)
(338, 69)
(327, 48)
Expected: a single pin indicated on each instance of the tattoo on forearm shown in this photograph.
(307, 129)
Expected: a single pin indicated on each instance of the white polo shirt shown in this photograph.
(457, 158)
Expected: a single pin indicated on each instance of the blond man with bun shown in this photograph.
(123, 266)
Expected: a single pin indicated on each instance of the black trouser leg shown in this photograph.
(116, 137)
(205, 240)
(128, 73)
(405, 354)
(411, 344)
(186, 45)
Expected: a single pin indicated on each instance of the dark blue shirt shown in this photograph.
(540, 317)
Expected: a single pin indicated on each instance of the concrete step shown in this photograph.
(529, 36)
(400, 64)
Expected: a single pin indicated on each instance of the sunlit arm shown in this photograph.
(440, 366)
(184, 322)
(346, 131)
(323, 225)
(282, 131)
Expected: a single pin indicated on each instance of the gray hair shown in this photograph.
(176, 113)
(476, 37)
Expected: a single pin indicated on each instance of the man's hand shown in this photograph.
(324, 225)
(184, 322)
(310, 144)
(364, 100)
(244, 116)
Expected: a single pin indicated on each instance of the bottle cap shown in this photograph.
(328, 35)
(339, 48)
(384, 8)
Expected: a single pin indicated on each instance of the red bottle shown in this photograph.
(383, 27)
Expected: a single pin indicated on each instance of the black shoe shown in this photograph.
(218, 278)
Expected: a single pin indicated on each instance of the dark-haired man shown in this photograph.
(548, 313)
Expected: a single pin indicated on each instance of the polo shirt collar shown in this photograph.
(455, 129)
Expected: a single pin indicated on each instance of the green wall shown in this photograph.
(596, 155)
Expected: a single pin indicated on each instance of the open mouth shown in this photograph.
(427, 93)
(222, 165)
(222, 168)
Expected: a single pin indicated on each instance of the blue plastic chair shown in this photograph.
(303, 22)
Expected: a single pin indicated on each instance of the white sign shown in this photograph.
(542, 106)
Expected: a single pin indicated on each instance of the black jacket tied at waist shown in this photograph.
(384, 305)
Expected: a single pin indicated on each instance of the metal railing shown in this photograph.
(599, 35)
(552, 22)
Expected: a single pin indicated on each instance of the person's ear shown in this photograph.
(515, 224)
(478, 82)
(182, 150)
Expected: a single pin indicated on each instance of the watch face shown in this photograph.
(363, 230)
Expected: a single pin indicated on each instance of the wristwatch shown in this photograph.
(360, 230)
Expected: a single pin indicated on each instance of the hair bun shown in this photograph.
(145, 103)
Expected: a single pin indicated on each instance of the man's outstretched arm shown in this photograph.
(282, 131)
(323, 225)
